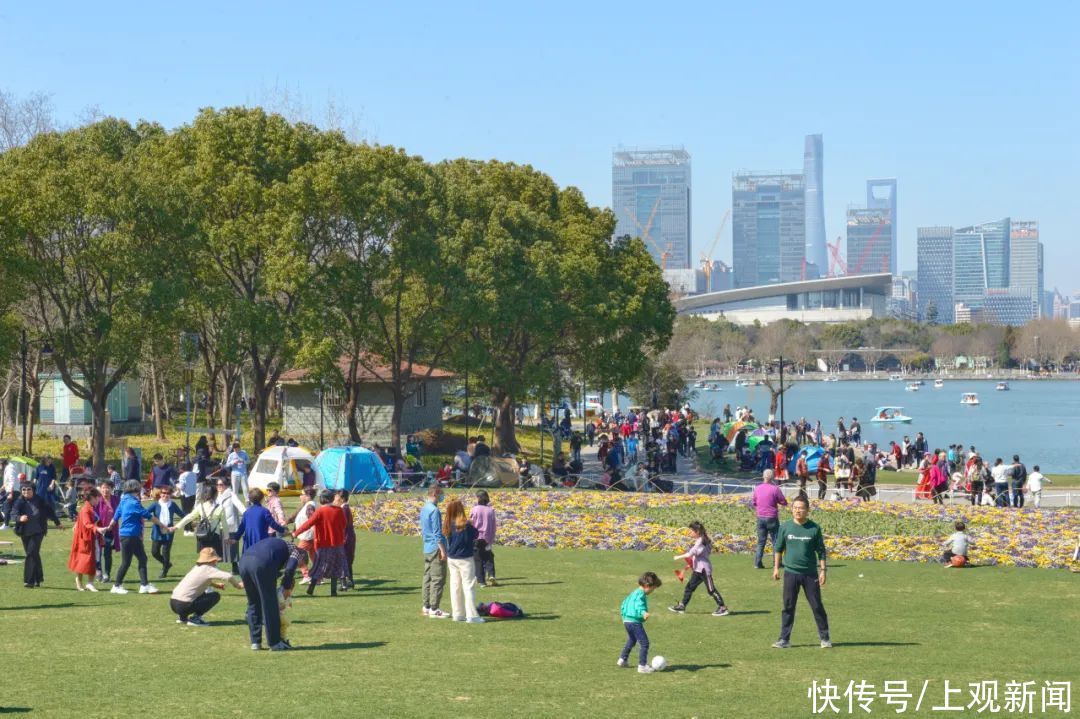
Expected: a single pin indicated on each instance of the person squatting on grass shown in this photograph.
(698, 556)
(957, 544)
(190, 598)
(635, 612)
(801, 545)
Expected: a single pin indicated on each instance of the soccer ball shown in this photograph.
(659, 663)
(958, 560)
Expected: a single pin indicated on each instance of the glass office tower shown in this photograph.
(817, 255)
(934, 250)
(768, 225)
(650, 194)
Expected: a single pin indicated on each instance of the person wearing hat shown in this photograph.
(190, 599)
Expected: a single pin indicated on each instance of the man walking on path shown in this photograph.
(434, 555)
(801, 545)
(765, 501)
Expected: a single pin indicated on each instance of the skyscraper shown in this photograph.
(881, 195)
(970, 267)
(868, 241)
(813, 166)
(1026, 262)
(650, 194)
(935, 272)
(995, 238)
(768, 225)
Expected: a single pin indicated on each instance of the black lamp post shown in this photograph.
(322, 404)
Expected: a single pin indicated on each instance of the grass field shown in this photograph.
(371, 653)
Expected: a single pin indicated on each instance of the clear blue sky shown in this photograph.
(974, 107)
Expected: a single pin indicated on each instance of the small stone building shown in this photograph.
(60, 412)
(301, 403)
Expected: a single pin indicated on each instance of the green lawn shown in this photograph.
(370, 652)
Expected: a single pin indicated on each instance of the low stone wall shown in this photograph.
(82, 431)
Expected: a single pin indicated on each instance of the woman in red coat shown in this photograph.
(330, 527)
(780, 465)
(84, 538)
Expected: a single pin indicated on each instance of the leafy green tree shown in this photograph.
(392, 288)
(552, 292)
(93, 237)
(259, 229)
(931, 313)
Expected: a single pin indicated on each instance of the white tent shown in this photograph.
(278, 464)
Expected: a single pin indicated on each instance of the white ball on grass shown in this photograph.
(860, 576)
(659, 663)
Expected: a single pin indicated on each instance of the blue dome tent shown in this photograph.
(813, 458)
(353, 468)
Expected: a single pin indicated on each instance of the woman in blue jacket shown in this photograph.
(129, 517)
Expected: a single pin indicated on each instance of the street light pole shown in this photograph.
(320, 391)
(783, 427)
(24, 398)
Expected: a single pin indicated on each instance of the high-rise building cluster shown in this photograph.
(990, 272)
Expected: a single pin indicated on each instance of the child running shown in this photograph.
(702, 571)
(635, 612)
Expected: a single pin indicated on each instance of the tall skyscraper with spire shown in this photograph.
(817, 255)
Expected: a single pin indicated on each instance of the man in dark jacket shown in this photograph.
(31, 514)
(259, 570)
(45, 479)
(162, 473)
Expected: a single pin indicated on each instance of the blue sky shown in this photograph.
(973, 107)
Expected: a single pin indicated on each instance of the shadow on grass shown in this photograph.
(504, 583)
(340, 646)
(15, 710)
(37, 606)
(374, 592)
(876, 644)
(754, 611)
(694, 667)
(527, 617)
(243, 622)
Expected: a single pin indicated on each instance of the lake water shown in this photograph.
(1038, 420)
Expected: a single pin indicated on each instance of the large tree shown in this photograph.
(259, 230)
(552, 291)
(392, 287)
(94, 236)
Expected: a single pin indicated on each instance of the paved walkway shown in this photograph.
(691, 479)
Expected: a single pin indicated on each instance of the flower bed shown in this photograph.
(613, 520)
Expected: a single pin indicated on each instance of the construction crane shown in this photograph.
(706, 259)
(869, 247)
(664, 254)
(836, 261)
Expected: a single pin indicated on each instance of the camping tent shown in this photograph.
(732, 428)
(23, 465)
(279, 464)
(813, 457)
(353, 468)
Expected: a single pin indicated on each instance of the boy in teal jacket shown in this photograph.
(634, 611)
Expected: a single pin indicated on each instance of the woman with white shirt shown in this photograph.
(305, 541)
(233, 511)
(185, 489)
(206, 507)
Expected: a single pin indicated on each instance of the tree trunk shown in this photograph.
(159, 429)
(352, 400)
(98, 402)
(262, 402)
(503, 425)
(395, 419)
(164, 395)
(211, 399)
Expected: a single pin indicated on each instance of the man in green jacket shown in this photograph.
(801, 544)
